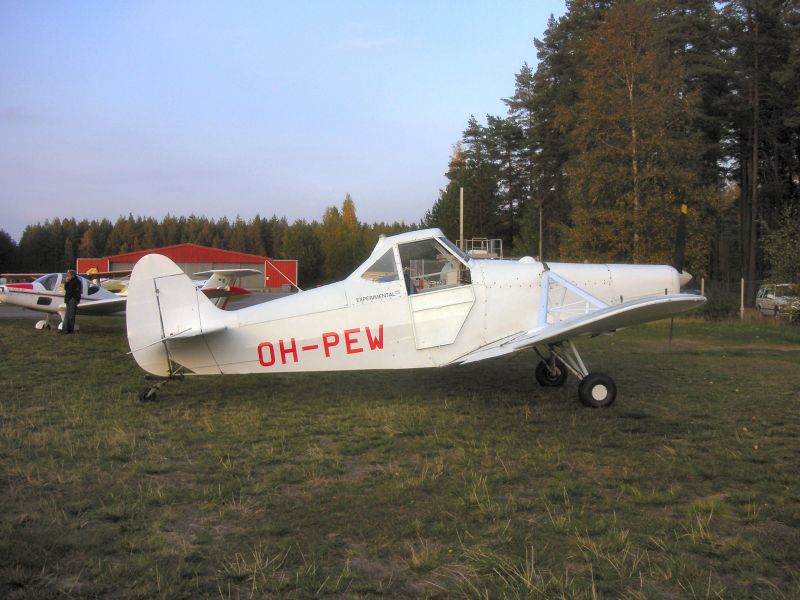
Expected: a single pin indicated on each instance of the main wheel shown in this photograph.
(597, 390)
(546, 378)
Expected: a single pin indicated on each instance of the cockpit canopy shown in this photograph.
(426, 263)
(50, 282)
(53, 282)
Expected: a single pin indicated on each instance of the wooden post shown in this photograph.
(741, 301)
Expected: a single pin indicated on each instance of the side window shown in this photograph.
(427, 266)
(382, 270)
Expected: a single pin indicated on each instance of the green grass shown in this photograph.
(466, 482)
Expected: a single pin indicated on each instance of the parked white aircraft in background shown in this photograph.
(46, 294)
(417, 301)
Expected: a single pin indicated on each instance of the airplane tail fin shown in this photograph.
(165, 305)
(221, 286)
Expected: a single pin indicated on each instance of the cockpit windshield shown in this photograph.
(49, 282)
(455, 250)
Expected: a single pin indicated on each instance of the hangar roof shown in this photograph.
(190, 253)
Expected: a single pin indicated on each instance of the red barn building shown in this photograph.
(276, 275)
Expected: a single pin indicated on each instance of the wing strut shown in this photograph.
(562, 300)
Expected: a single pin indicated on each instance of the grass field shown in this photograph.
(466, 482)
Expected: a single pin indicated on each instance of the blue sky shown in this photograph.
(245, 108)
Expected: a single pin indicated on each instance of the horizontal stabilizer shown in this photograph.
(600, 321)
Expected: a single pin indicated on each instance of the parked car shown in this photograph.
(779, 300)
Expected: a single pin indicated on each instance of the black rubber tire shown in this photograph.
(597, 390)
(147, 395)
(546, 379)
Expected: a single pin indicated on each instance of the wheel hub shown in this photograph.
(599, 392)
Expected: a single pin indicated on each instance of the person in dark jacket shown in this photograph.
(72, 295)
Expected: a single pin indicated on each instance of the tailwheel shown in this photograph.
(551, 373)
(597, 390)
(148, 394)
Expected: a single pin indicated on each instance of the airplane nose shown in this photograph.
(685, 277)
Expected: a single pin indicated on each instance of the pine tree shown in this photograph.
(8, 253)
(762, 44)
(303, 244)
(445, 212)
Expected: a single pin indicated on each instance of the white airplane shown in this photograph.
(417, 301)
(46, 294)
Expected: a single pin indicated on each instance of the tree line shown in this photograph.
(635, 107)
(326, 250)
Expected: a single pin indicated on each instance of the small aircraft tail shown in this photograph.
(221, 286)
(165, 305)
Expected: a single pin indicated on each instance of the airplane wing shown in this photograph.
(227, 272)
(102, 307)
(90, 274)
(583, 314)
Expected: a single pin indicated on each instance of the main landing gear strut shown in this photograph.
(595, 389)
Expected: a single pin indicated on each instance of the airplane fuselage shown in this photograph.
(362, 323)
(46, 294)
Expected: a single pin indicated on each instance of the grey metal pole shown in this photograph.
(541, 252)
(461, 219)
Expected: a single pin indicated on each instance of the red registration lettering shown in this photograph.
(286, 351)
(261, 358)
(377, 342)
(350, 342)
(329, 340)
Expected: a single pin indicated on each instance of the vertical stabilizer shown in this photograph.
(165, 305)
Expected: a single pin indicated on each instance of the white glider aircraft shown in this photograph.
(417, 301)
(46, 294)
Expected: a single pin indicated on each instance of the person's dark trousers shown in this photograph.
(69, 317)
